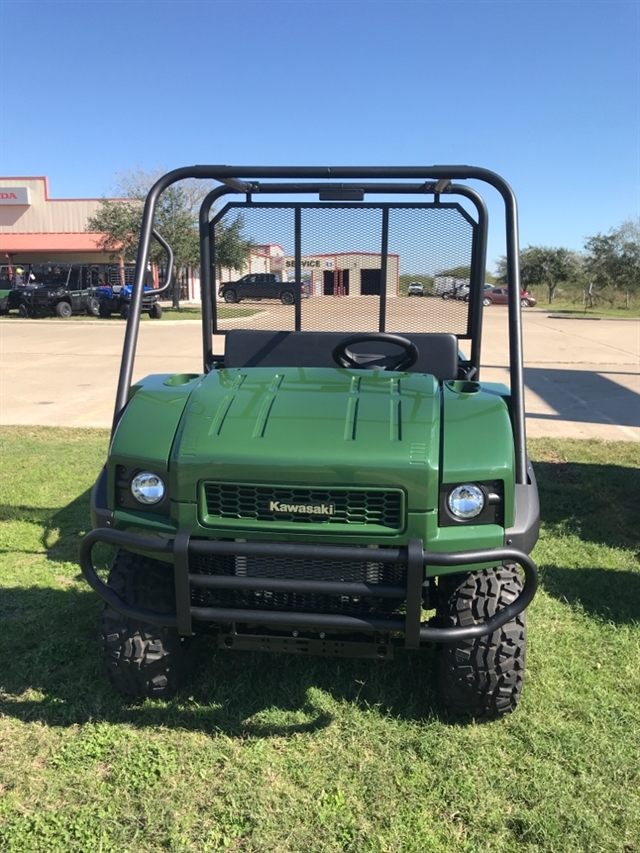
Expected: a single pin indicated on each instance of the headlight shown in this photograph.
(147, 488)
(466, 501)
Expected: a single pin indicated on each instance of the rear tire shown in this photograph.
(142, 659)
(63, 309)
(155, 312)
(230, 296)
(481, 678)
(93, 307)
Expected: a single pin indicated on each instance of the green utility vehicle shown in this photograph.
(337, 480)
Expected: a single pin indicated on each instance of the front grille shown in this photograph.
(379, 508)
(274, 567)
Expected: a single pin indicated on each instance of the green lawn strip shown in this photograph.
(576, 308)
(224, 312)
(274, 753)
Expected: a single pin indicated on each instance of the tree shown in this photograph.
(613, 259)
(545, 265)
(176, 220)
(232, 249)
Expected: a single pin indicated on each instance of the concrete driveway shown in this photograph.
(582, 375)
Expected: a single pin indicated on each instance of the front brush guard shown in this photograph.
(413, 556)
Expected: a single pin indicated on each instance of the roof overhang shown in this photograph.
(48, 243)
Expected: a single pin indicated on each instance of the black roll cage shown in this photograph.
(245, 180)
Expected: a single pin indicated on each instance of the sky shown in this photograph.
(544, 92)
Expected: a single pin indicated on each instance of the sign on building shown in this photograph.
(15, 195)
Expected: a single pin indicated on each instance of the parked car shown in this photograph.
(415, 289)
(486, 287)
(459, 291)
(261, 286)
(500, 296)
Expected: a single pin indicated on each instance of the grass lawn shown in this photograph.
(306, 755)
(225, 312)
(576, 308)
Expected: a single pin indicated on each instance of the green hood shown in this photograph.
(320, 426)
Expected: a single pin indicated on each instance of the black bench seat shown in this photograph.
(438, 353)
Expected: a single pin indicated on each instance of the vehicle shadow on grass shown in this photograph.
(51, 672)
(62, 527)
(596, 503)
(608, 594)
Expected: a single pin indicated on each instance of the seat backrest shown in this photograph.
(438, 353)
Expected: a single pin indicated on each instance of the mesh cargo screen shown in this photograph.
(344, 248)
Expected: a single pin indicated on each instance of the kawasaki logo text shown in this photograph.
(302, 509)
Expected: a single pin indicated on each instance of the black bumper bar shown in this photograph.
(413, 556)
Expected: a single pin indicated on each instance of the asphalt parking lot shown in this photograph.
(582, 375)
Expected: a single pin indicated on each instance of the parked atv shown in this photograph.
(60, 290)
(117, 300)
(10, 293)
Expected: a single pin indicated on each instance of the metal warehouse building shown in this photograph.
(343, 273)
(329, 274)
(35, 228)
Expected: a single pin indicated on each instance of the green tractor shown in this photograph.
(337, 480)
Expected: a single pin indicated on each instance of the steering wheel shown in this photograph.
(344, 357)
